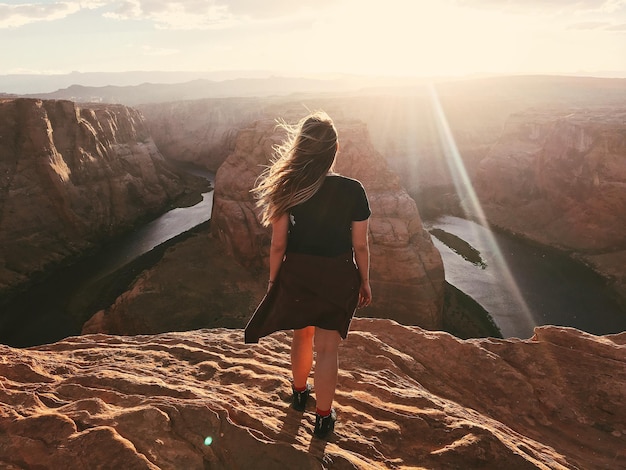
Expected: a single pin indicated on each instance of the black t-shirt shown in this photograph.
(322, 225)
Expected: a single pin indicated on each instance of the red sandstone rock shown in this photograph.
(200, 131)
(406, 269)
(404, 123)
(402, 128)
(406, 398)
(71, 176)
(559, 178)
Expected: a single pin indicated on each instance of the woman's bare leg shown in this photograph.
(302, 355)
(326, 366)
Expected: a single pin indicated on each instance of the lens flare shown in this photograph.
(208, 441)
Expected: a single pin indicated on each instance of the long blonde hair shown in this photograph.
(298, 167)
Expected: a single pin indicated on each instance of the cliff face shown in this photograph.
(560, 178)
(407, 272)
(402, 127)
(202, 132)
(402, 118)
(72, 176)
(405, 398)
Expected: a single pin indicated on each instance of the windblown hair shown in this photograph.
(298, 166)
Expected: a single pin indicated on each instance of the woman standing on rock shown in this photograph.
(319, 258)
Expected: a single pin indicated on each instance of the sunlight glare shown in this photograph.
(470, 203)
(421, 38)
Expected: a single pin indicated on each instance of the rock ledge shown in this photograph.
(406, 398)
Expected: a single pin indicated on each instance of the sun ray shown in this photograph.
(471, 204)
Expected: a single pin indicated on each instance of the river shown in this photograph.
(523, 286)
(520, 285)
(58, 307)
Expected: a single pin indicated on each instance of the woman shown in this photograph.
(319, 223)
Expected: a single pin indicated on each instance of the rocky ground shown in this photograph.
(406, 398)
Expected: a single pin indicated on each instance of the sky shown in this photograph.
(324, 37)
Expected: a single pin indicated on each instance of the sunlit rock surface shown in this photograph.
(406, 269)
(559, 178)
(406, 398)
(71, 176)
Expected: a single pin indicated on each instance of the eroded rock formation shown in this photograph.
(407, 271)
(406, 398)
(202, 132)
(559, 178)
(72, 176)
(403, 127)
(403, 118)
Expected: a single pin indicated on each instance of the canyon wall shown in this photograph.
(559, 178)
(72, 176)
(406, 398)
(405, 128)
(407, 271)
(201, 131)
(404, 116)
(406, 123)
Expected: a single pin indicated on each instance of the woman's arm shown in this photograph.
(361, 247)
(280, 229)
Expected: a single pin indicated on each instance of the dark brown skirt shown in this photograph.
(309, 291)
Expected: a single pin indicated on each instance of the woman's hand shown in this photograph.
(360, 244)
(278, 246)
(365, 294)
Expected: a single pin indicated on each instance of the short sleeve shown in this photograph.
(361, 209)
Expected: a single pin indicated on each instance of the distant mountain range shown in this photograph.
(21, 84)
(202, 88)
(162, 87)
(147, 87)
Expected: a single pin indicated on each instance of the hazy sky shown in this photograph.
(389, 37)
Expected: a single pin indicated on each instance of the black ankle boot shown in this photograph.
(325, 424)
(298, 400)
